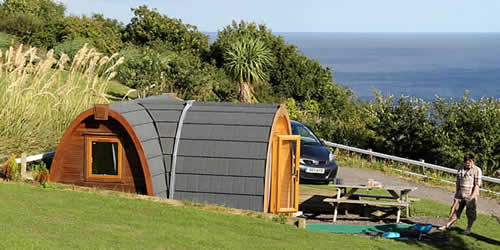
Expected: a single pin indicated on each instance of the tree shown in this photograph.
(102, 33)
(290, 74)
(402, 127)
(143, 69)
(306, 81)
(468, 126)
(149, 27)
(34, 21)
(245, 61)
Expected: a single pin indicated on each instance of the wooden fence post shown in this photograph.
(23, 165)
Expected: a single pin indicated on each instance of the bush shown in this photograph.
(34, 22)
(142, 68)
(403, 127)
(40, 173)
(440, 132)
(7, 40)
(48, 37)
(149, 27)
(154, 73)
(192, 78)
(102, 33)
(70, 47)
(12, 171)
(469, 126)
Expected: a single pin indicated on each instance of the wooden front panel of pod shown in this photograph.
(97, 132)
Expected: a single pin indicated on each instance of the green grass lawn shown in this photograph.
(33, 217)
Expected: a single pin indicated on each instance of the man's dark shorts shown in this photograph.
(459, 205)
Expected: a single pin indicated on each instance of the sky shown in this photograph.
(314, 15)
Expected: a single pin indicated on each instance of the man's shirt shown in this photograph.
(466, 179)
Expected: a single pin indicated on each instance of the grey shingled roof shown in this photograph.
(154, 120)
(222, 150)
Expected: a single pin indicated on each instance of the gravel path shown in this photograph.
(356, 176)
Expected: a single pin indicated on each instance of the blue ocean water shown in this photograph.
(421, 65)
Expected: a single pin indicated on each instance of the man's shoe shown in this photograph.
(467, 232)
(443, 228)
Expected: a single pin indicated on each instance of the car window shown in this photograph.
(306, 135)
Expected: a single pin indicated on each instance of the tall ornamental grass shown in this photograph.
(40, 95)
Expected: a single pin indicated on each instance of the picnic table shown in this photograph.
(345, 194)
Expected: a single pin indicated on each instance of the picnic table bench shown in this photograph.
(398, 195)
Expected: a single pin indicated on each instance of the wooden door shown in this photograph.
(285, 198)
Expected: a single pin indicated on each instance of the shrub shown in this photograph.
(40, 173)
(102, 33)
(403, 127)
(12, 171)
(468, 126)
(48, 37)
(280, 219)
(6, 40)
(148, 27)
(34, 21)
(194, 79)
(440, 132)
(70, 47)
(142, 68)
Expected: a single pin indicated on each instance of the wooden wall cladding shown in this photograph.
(72, 168)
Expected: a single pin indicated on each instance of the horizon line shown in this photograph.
(385, 32)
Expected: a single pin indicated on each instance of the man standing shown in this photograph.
(467, 190)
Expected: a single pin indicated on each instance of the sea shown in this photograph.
(420, 65)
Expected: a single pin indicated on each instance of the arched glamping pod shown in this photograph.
(233, 154)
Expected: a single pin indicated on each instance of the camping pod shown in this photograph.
(232, 154)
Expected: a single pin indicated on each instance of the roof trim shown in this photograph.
(128, 128)
(173, 166)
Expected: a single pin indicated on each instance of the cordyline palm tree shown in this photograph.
(245, 61)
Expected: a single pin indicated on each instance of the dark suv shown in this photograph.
(317, 162)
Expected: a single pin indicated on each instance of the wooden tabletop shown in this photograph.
(362, 186)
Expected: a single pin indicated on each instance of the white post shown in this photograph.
(335, 212)
(23, 166)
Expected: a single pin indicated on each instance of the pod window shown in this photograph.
(104, 157)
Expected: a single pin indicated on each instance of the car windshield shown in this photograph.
(306, 135)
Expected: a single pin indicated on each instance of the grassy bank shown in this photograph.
(52, 218)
